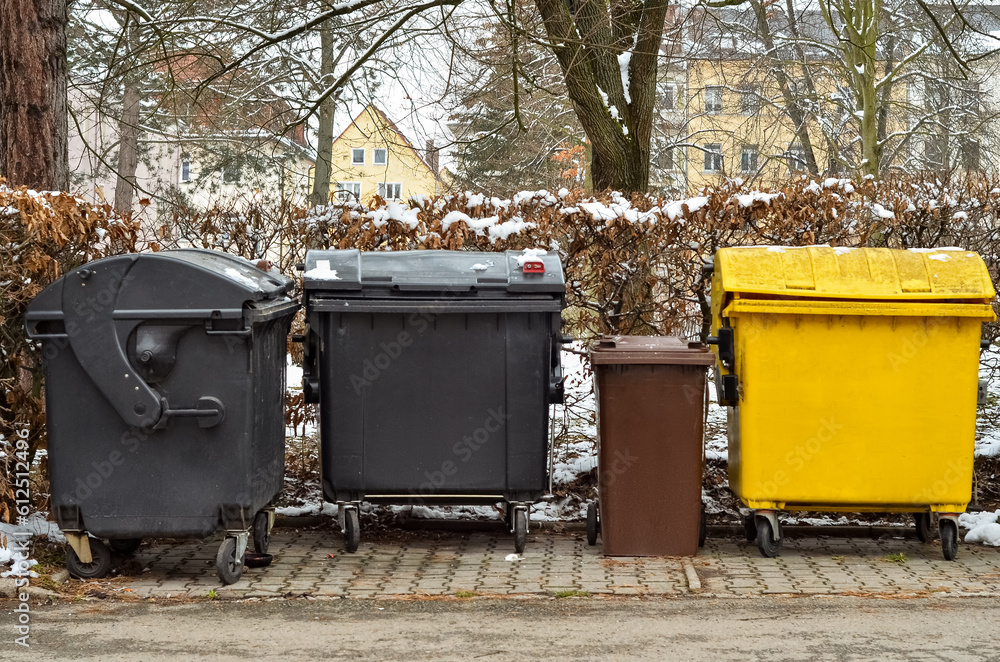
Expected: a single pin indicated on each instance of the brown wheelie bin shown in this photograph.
(651, 413)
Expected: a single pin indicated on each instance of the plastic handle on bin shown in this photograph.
(726, 342)
(88, 304)
(209, 412)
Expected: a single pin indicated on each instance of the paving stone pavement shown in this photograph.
(313, 563)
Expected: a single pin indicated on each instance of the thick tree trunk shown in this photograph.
(593, 46)
(324, 133)
(128, 150)
(33, 128)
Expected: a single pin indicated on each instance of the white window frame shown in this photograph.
(796, 157)
(745, 151)
(355, 151)
(713, 158)
(716, 107)
(670, 97)
(185, 170)
(390, 188)
(352, 190)
(231, 173)
(375, 154)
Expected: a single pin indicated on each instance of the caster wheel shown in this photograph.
(592, 524)
(949, 538)
(925, 527)
(520, 529)
(261, 533)
(749, 528)
(768, 546)
(352, 530)
(97, 568)
(227, 566)
(702, 527)
(125, 546)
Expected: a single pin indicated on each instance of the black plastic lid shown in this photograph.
(433, 271)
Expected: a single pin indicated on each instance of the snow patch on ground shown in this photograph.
(982, 527)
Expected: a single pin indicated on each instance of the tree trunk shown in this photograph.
(324, 133)
(33, 120)
(128, 150)
(793, 105)
(618, 121)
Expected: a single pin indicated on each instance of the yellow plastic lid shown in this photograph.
(855, 273)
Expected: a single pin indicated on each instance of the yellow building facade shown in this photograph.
(738, 126)
(373, 158)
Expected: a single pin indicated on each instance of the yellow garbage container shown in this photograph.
(851, 378)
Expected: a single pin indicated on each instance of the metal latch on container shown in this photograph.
(726, 342)
(209, 412)
(728, 390)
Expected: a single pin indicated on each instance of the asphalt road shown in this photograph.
(695, 629)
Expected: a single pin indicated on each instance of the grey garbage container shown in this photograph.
(164, 386)
(433, 371)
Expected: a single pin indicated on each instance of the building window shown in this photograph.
(749, 101)
(390, 190)
(748, 159)
(358, 156)
(230, 173)
(666, 160)
(713, 157)
(970, 155)
(349, 191)
(796, 157)
(936, 152)
(185, 169)
(972, 97)
(669, 101)
(378, 156)
(713, 99)
(834, 168)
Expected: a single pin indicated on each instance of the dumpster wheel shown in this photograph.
(949, 537)
(593, 524)
(352, 529)
(125, 546)
(261, 532)
(766, 543)
(97, 568)
(227, 566)
(925, 526)
(520, 528)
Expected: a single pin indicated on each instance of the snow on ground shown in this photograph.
(33, 526)
(982, 527)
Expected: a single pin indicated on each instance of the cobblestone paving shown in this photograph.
(313, 563)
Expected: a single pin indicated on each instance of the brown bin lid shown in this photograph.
(618, 350)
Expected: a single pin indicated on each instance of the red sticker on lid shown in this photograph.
(533, 267)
